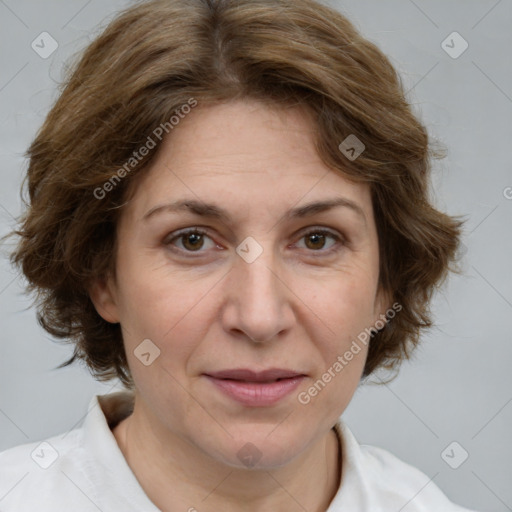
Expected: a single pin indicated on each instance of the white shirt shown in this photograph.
(85, 471)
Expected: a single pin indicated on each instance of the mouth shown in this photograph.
(256, 389)
(245, 375)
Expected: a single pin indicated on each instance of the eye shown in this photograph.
(316, 240)
(192, 240)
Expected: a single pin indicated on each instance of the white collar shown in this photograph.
(369, 474)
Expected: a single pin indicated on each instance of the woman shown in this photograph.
(229, 212)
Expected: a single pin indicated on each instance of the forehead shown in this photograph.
(227, 134)
(242, 153)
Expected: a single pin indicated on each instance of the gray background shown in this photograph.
(458, 387)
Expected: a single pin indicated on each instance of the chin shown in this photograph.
(256, 447)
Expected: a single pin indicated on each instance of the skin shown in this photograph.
(299, 305)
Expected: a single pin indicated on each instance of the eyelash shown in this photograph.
(317, 231)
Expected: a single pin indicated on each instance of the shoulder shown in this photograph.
(36, 475)
(81, 470)
(391, 475)
(391, 483)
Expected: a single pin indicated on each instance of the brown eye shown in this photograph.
(193, 240)
(318, 241)
(315, 241)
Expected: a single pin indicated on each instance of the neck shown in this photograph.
(177, 476)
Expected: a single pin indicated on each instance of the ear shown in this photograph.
(103, 295)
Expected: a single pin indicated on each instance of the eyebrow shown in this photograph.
(213, 211)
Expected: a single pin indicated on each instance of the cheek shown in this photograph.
(344, 305)
(153, 297)
(331, 390)
(356, 301)
(171, 309)
(346, 309)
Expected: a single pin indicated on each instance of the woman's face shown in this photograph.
(267, 285)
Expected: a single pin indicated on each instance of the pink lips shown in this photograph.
(256, 389)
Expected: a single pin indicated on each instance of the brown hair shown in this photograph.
(149, 62)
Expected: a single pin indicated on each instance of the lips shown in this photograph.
(256, 389)
(245, 375)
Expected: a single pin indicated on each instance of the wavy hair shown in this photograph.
(145, 65)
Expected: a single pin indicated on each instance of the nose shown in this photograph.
(258, 300)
